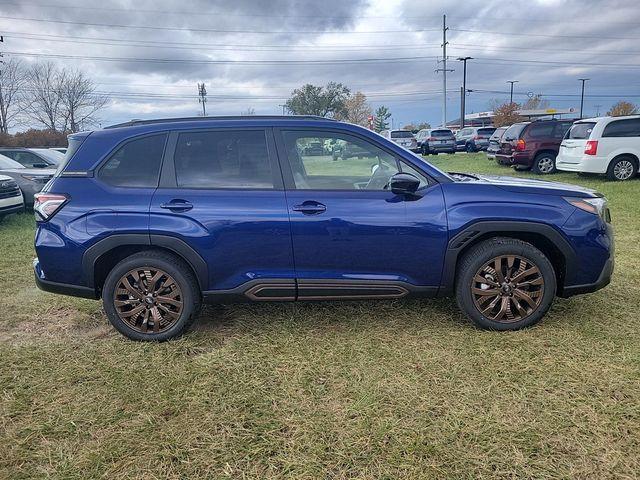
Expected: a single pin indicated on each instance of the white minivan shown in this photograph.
(608, 145)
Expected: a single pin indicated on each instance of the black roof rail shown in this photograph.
(136, 122)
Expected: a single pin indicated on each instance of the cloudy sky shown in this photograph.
(149, 55)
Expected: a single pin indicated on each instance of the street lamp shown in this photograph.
(511, 95)
(464, 89)
(583, 80)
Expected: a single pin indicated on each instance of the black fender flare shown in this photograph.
(177, 246)
(469, 234)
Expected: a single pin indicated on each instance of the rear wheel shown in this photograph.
(151, 296)
(544, 164)
(424, 150)
(505, 284)
(622, 168)
(470, 148)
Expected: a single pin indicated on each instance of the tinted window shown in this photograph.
(514, 131)
(441, 133)
(497, 135)
(623, 128)
(486, 132)
(134, 164)
(74, 144)
(540, 130)
(223, 159)
(561, 129)
(401, 134)
(25, 158)
(580, 131)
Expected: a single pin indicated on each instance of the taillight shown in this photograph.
(591, 147)
(432, 139)
(520, 145)
(47, 204)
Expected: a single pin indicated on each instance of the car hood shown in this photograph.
(44, 172)
(528, 185)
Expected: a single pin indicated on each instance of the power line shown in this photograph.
(213, 30)
(494, 32)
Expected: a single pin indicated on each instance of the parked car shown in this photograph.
(533, 145)
(32, 157)
(434, 141)
(404, 138)
(157, 217)
(10, 197)
(62, 150)
(609, 145)
(314, 148)
(30, 180)
(494, 142)
(473, 139)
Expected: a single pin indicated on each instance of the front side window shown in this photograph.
(623, 128)
(226, 159)
(348, 162)
(136, 163)
(28, 159)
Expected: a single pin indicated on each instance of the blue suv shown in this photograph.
(157, 217)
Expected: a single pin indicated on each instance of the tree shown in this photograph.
(506, 114)
(357, 110)
(622, 108)
(79, 99)
(382, 115)
(535, 103)
(328, 101)
(12, 83)
(45, 83)
(410, 126)
(423, 125)
(248, 112)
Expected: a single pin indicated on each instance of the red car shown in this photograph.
(533, 145)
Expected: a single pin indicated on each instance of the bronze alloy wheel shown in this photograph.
(148, 300)
(507, 288)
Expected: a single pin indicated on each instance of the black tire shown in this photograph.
(470, 148)
(180, 273)
(434, 153)
(451, 153)
(544, 164)
(481, 255)
(424, 150)
(622, 168)
(521, 168)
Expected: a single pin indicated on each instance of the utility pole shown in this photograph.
(202, 93)
(283, 107)
(511, 95)
(463, 92)
(444, 70)
(583, 80)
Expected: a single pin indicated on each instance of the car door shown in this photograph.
(351, 236)
(221, 195)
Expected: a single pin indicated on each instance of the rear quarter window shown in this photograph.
(136, 163)
(623, 128)
(580, 131)
(540, 130)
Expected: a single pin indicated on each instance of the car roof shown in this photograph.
(248, 118)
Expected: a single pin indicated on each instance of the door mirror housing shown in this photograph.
(404, 184)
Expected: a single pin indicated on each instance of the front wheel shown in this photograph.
(505, 284)
(544, 164)
(622, 169)
(151, 296)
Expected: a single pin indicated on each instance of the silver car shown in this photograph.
(30, 180)
(404, 138)
(33, 157)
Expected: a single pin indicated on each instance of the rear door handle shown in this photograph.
(310, 208)
(177, 205)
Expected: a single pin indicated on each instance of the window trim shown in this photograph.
(287, 172)
(168, 176)
(98, 168)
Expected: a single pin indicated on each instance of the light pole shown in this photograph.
(583, 80)
(511, 95)
(464, 88)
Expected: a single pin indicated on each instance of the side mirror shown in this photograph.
(404, 184)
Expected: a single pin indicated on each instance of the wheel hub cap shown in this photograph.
(623, 170)
(148, 300)
(508, 288)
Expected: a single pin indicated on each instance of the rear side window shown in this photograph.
(580, 131)
(623, 128)
(540, 130)
(223, 159)
(135, 164)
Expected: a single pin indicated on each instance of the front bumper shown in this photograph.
(603, 280)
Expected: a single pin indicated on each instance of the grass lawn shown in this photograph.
(404, 389)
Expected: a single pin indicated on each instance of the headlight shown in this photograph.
(597, 206)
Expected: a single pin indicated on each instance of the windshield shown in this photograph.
(497, 135)
(401, 134)
(442, 133)
(580, 131)
(514, 131)
(7, 163)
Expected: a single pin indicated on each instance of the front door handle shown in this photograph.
(177, 205)
(310, 208)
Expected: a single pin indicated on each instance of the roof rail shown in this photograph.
(136, 122)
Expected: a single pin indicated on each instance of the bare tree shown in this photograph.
(45, 84)
(12, 85)
(80, 101)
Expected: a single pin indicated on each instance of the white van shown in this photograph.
(608, 145)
